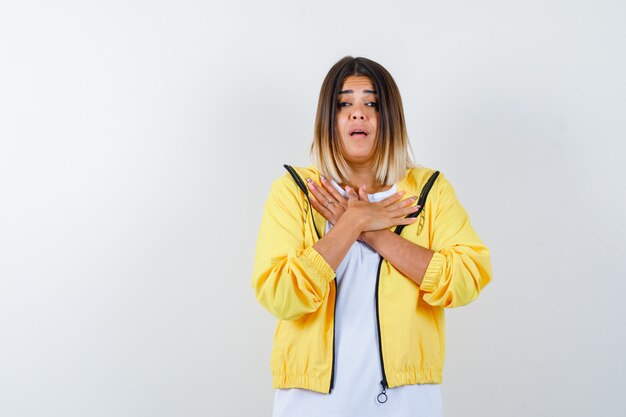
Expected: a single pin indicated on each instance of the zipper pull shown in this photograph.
(382, 397)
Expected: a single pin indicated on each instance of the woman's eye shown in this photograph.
(371, 104)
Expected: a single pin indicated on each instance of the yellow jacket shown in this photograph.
(294, 283)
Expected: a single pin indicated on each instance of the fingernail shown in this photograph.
(308, 179)
(323, 178)
(414, 197)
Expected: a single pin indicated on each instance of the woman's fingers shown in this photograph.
(351, 193)
(321, 195)
(330, 203)
(403, 203)
(406, 220)
(328, 215)
(332, 191)
(363, 193)
(380, 217)
(403, 211)
(393, 198)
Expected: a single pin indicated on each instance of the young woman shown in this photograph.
(357, 257)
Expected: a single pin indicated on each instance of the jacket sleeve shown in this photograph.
(461, 266)
(289, 278)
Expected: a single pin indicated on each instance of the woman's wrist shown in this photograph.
(369, 237)
(352, 219)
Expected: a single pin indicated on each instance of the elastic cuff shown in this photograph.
(433, 272)
(318, 263)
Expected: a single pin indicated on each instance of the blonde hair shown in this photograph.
(392, 148)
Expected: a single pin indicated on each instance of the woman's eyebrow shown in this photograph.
(352, 91)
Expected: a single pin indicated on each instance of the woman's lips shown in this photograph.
(358, 135)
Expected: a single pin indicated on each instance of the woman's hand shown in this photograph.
(327, 200)
(380, 215)
(370, 216)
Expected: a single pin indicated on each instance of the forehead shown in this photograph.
(357, 83)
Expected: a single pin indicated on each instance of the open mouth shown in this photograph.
(358, 133)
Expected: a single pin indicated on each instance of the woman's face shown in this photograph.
(357, 119)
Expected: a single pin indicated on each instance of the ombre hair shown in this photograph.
(392, 148)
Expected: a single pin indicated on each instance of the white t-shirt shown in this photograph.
(357, 359)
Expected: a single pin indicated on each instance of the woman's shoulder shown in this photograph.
(418, 175)
(291, 174)
(293, 179)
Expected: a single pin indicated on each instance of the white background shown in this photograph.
(139, 139)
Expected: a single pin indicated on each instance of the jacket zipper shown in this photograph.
(382, 397)
(332, 372)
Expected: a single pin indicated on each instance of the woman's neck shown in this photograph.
(364, 175)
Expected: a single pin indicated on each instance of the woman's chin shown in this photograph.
(358, 159)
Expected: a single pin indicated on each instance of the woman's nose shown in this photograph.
(357, 114)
